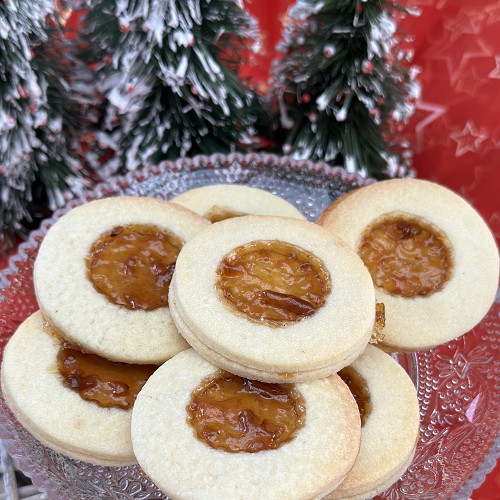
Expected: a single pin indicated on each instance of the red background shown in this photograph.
(456, 129)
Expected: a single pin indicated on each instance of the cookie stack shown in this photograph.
(202, 433)
(72, 370)
(273, 299)
(268, 387)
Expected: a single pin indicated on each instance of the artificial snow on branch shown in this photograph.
(35, 116)
(344, 85)
(168, 72)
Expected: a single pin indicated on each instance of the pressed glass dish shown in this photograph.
(457, 383)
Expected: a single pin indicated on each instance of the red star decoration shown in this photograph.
(495, 73)
(432, 111)
(457, 59)
(470, 81)
(493, 12)
(466, 22)
(469, 139)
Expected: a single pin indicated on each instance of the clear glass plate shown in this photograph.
(457, 383)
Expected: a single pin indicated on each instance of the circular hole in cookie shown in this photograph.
(273, 282)
(406, 256)
(107, 383)
(359, 389)
(132, 265)
(235, 414)
(218, 213)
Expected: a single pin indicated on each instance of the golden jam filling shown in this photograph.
(379, 324)
(406, 257)
(106, 383)
(273, 281)
(133, 265)
(359, 389)
(234, 414)
(216, 214)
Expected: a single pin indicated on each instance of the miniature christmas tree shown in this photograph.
(36, 167)
(167, 69)
(344, 85)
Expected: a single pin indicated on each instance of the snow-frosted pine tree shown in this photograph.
(36, 167)
(168, 71)
(344, 84)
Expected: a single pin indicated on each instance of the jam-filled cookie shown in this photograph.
(75, 403)
(389, 410)
(102, 275)
(432, 258)
(223, 201)
(273, 298)
(200, 432)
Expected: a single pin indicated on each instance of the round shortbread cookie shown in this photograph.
(246, 371)
(390, 431)
(72, 305)
(381, 488)
(57, 416)
(219, 201)
(315, 460)
(421, 322)
(319, 344)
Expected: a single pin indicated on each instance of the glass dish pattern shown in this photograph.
(457, 383)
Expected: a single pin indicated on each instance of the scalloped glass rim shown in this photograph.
(455, 382)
